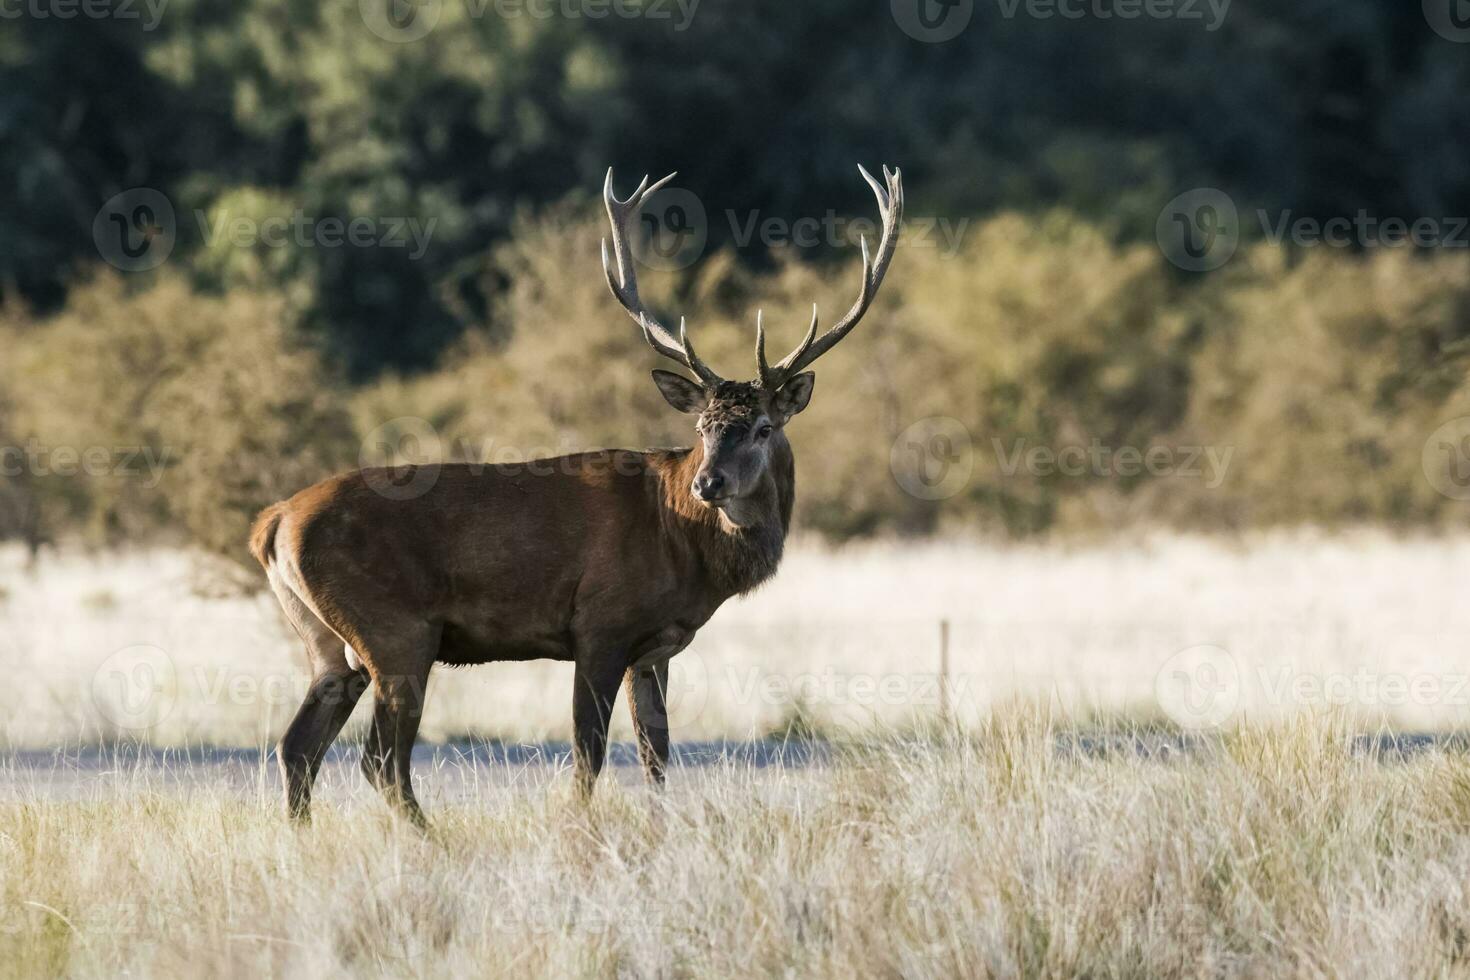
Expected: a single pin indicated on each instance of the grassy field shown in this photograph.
(1194, 632)
(1267, 852)
(1154, 765)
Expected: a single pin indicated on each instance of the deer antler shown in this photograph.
(890, 209)
(624, 284)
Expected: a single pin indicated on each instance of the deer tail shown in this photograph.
(263, 534)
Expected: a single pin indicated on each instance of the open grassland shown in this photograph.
(1155, 764)
(1280, 851)
(1198, 632)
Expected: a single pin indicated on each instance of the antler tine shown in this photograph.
(766, 375)
(762, 369)
(624, 283)
(691, 359)
(890, 210)
(782, 370)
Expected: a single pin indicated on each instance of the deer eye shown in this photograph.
(764, 432)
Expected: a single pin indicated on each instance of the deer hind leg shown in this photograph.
(595, 688)
(647, 701)
(400, 677)
(335, 690)
(327, 707)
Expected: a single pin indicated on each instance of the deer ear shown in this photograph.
(680, 392)
(794, 395)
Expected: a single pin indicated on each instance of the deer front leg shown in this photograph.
(595, 690)
(647, 701)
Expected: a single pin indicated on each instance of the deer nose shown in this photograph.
(709, 486)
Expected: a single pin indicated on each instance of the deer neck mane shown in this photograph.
(736, 559)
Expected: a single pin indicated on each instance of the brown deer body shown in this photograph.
(611, 560)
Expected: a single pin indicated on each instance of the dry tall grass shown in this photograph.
(1267, 853)
(1003, 845)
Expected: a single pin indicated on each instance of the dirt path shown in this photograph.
(441, 772)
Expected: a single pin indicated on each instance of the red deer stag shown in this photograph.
(611, 560)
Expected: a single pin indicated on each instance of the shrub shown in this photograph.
(1327, 375)
(1315, 378)
(186, 412)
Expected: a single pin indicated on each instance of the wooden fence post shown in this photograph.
(944, 671)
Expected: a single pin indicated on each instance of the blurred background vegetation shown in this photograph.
(1054, 321)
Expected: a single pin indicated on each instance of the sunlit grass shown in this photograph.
(1279, 850)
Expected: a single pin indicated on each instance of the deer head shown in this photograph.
(740, 421)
